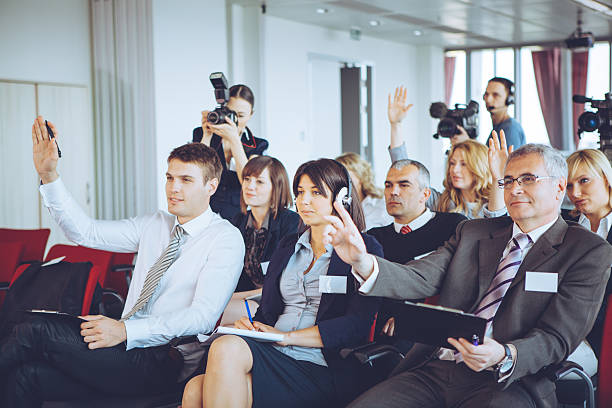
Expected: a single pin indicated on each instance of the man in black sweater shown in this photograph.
(415, 231)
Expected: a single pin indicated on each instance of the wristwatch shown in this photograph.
(504, 366)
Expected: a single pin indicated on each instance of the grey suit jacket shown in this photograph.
(544, 327)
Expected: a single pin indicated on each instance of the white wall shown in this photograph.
(45, 41)
(189, 42)
(286, 80)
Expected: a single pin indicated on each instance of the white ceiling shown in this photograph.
(446, 23)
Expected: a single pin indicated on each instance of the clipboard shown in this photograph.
(429, 324)
(55, 314)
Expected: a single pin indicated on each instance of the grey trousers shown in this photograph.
(443, 384)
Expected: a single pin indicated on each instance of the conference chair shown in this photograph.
(9, 260)
(34, 242)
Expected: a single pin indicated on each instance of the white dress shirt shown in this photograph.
(604, 224)
(417, 223)
(194, 290)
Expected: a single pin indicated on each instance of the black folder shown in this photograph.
(55, 314)
(432, 325)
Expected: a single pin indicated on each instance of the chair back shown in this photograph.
(100, 260)
(120, 273)
(604, 391)
(11, 255)
(34, 242)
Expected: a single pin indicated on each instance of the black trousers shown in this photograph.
(443, 384)
(46, 359)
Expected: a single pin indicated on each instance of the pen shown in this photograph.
(475, 338)
(246, 304)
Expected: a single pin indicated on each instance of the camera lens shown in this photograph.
(213, 117)
(447, 127)
(589, 121)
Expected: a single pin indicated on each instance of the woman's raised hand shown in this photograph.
(227, 131)
(397, 108)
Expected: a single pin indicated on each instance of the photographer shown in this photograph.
(498, 96)
(234, 143)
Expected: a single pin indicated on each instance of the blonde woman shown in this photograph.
(472, 170)
(371, 197)
(589, 188)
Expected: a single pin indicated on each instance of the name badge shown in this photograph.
(332, 284)
(541, 282)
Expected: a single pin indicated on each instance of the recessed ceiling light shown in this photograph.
(374, 23)
(322, 10)
(417, 33)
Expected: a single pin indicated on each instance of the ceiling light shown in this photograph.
(594, 5)
(417, 33)
(321, 10)
(374, 23)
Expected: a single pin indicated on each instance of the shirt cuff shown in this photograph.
(493, 214)
(398, 152)
(504, 377)
(366, 285)
(136, 331)
(53, 193)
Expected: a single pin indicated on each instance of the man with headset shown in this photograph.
(498, 96)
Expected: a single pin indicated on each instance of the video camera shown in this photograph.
(463, 115)
(600, 121)
(217, 116)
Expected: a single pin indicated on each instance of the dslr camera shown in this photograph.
(600, 121)
(463, 115)
(217, 116)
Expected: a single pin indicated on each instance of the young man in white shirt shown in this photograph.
(187, 268)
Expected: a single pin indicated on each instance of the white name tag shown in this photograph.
(541, 281)
(332, 284)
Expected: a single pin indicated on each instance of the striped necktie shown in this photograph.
(506, 271)
(405, 229)
(157, 271)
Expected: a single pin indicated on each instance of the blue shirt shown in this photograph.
(513, 130)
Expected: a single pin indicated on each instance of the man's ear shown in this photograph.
(561, 188)
(211, 185)
(426, 194)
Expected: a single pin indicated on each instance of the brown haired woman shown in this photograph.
(263, 221)
(305, 369)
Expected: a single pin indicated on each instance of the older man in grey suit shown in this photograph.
(537, 279)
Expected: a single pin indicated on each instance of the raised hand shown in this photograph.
(206, 132)
(347, 241)
(397, 108)
(498, 155)
(227, 131)
(44, 151)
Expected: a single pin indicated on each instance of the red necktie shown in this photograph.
(405, 229)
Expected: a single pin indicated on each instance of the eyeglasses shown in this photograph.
(524, 179)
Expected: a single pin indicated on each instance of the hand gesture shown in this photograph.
(244, 323)
(389, 327)
(101, 331)
(480, 357)
(498, 155)
(206, 132)
(347, 241)
(227, 131)
(44, 151)
(462, 136)
(397, 108)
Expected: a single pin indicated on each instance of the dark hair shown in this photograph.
(243, 92)
(281, 192)
(331, 174)
(202, 155)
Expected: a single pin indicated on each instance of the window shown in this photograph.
(532, 119)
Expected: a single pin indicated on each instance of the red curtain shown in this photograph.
(547, 69)
(449, 77)
(580, 64)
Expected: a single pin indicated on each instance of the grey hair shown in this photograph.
(554, 161)
(423, 172)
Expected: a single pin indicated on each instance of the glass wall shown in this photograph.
(598, 84)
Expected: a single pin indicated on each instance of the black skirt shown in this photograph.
(282, 381)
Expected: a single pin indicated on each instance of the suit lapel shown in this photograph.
(542, 250)
(336, 268)
(490, 251)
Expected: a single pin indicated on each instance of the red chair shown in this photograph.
(604, 391)
(11, 254)
(34, 242)
(120, 273)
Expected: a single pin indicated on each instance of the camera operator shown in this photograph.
(498, 96)
(234, 143)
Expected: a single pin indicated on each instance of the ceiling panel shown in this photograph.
(446, 23)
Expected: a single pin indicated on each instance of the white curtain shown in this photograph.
(124, 108)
